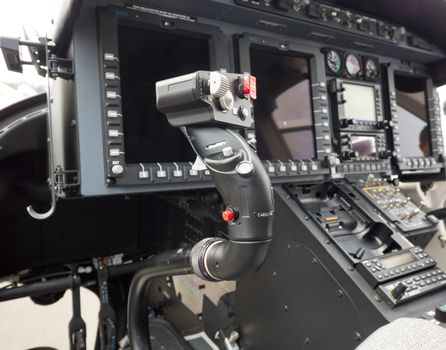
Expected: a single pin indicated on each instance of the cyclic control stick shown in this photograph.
(211, 108)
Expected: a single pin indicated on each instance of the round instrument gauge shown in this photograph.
(371, 69)
(352, 65)
(334, 62)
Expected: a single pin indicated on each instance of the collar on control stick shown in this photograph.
(229, 154)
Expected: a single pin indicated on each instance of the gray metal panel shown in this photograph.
(88, 105)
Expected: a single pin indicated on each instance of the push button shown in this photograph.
(229, 214)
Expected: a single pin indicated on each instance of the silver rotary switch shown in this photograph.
(226, 101)
(217, 86)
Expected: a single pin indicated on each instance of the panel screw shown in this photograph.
(358, 336)
(340, 293)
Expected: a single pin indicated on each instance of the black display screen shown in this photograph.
(283, 111)
(411, 106)
(359, 102)
(145, 58)
(364, 145)
(397, 260)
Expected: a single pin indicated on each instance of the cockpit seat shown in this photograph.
(406, 334)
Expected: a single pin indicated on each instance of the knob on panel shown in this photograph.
(385, 124)
(347, 155)
(345, 123)
(440, 313)
(216, 85)
(385, 154)
(226, 101)
(399, 291)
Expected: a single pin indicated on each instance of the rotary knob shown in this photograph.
(385, 154)
(440, 313)
(226, 101)
(347, 155)
(345, 123)
(384, 124)
(399, 291)
(216, 85)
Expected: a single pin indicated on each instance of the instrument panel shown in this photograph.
(326, 107)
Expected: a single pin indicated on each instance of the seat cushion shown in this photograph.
(406, 334)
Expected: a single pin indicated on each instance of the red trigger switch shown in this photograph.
(252, 87)
(228, 215)
(249, 86)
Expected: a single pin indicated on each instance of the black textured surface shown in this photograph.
(164, 337)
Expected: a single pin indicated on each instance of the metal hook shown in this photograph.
(41, 216)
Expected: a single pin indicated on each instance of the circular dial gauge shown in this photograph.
(334, 62)
(353, 65)
(371, 69)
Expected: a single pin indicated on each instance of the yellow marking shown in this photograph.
(375, 188)
(331, 218)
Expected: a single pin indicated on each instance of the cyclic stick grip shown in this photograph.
(211, 108)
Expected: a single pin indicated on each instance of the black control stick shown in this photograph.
(209, 107)
(206, 105)
(246, 191)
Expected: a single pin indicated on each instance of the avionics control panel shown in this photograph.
(370, 243)
(332, 17)
(291, 124)
(414, 286)
(357, 107)
(414, 113)
(392, 266)
(326, 107)
(139, 144)
(395, 206)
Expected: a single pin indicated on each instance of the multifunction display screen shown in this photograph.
(360, 102)
(145, 58)
(397, 260)
(283, 112)
(364, 145)
(415, 140)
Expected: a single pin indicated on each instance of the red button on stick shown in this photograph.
(252, 87)
(246, 85)
(227, 215)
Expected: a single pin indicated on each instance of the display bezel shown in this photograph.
(316, 60)
(426, 109)
(416, 168)
(109, 19)
(292, 54)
